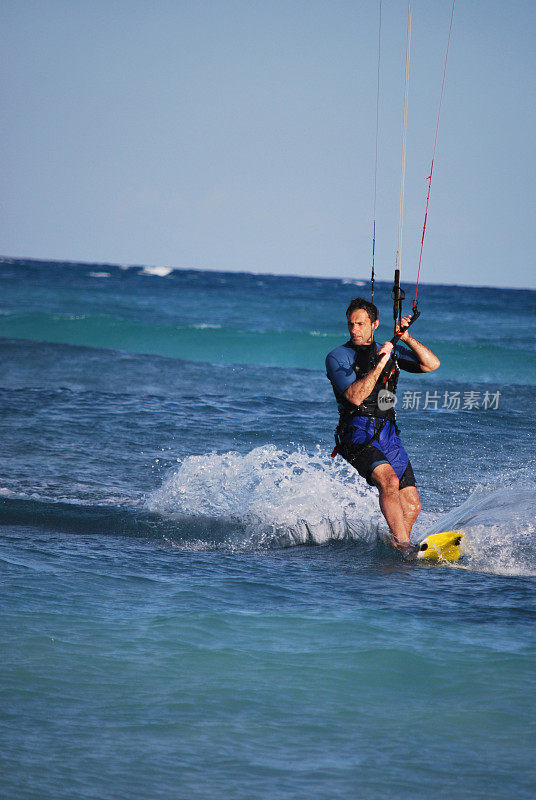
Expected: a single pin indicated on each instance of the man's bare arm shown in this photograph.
(428, 361)
(361, 388)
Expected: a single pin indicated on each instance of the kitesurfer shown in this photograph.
(364, 378)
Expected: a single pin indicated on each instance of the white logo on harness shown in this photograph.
(386, 400)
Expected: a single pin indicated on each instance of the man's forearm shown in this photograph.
(360, 389)
(428, 360)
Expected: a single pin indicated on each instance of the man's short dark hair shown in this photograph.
(366, 305)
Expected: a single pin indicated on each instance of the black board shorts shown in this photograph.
(366, 459)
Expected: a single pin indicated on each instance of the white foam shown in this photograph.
(294, 497)
(291, 496)
(159, 272)
(500, 530)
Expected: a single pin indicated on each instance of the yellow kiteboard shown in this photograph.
(441, 546)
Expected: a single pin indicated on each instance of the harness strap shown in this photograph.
(342, 427)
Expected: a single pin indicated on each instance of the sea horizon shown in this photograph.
(165, 269)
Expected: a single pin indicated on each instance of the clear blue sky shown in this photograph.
(239, 135)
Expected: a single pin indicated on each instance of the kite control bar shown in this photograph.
(398, 295)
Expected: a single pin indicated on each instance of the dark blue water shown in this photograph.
(196, 601)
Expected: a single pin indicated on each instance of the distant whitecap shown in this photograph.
(160, 272)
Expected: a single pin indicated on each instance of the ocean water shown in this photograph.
(195, 600)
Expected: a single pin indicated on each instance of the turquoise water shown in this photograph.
(196, 601)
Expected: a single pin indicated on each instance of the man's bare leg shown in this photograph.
(411, 506)
(391, 505)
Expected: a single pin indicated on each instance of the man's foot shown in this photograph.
(405, 546)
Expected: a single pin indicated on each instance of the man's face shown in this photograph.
(360, 327)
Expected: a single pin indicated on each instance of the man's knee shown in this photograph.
(385, 479)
